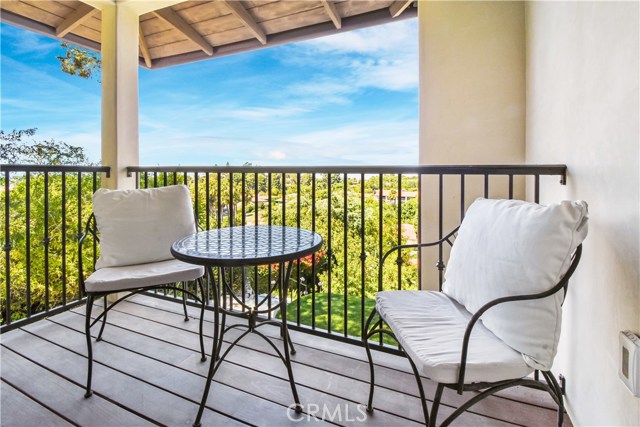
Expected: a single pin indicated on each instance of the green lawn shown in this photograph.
(337, 312)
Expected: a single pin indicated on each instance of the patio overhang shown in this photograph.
(178, 32)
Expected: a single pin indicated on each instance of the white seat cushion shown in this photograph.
(111, 279)
(139, 226)
(430, 327)
(512, 247)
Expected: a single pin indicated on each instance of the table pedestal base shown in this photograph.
(253, 323)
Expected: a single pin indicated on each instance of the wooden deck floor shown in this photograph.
(148, 372)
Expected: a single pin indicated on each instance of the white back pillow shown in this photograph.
(139, 226)
(511, 247)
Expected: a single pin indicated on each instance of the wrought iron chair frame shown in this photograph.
(91, 229)
(486, 389)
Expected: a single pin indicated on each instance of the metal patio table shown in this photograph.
(246, 246)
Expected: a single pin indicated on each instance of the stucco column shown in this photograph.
(119, 93)
(472, 103)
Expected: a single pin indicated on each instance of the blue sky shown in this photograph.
(340, 100)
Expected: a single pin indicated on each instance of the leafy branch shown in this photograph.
(79, 62)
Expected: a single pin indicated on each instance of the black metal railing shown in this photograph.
(360, 212)
(43, 215)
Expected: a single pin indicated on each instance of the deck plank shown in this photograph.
(342, 387)
(18, 408)
(510, 410)
(135, 355)
(257, 373)
(389, 363)
(147, 368)
(126, 391)
(56, 392)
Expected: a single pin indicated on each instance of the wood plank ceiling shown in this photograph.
(196, 30)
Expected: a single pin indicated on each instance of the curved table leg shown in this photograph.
(214, 351)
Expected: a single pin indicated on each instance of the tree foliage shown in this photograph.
(46, 214)
(79, 62)
(13, 149)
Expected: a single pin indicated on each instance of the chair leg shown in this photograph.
(423, 399)
(436, 405)
(553, 384)
(104, 320)
(370, 359)
(184, 301)
(87, 331)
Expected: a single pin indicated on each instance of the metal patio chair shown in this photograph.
(135, 229)
(497, 317)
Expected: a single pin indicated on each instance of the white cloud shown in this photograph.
(28, 42)
(359, 143)
(263, 113)
(379, 40)
(276, 155)
(383, 57)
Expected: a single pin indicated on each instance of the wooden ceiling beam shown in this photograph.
(399, 6)
(333, 13)
(175, 20)
(144, 49)
(75, 19)
(238, 10)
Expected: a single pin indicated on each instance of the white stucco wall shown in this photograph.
(472, 101)
(579, 67)
(582, 110)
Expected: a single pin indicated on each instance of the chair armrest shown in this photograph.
(562, 284)
(446, 238)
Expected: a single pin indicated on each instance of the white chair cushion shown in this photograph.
(511, 247)
(110, 279)
(139, 226)
(430, 327)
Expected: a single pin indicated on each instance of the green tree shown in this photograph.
(47, 212)
(14, 149)
(79, 62)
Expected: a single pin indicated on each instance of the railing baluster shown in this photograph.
(45, 241)
(207, 185)
(462, 202)
(380, 249)
(329, 254)
(510, 186)
(486, 186)
(419, 230)
(7, 247)
(399, 231)
(363, 256)
(270, 196)
(64, 238)
(345, 221)
(79, 220)
(313, 256)
(440, 230)
(298, 261)
(28, 240)
(94, 187)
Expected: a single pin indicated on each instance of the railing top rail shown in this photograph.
(53, 168)
(559, 170)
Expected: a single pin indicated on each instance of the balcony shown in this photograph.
(147, 366)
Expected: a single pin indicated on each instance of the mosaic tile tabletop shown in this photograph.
(247, 245)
